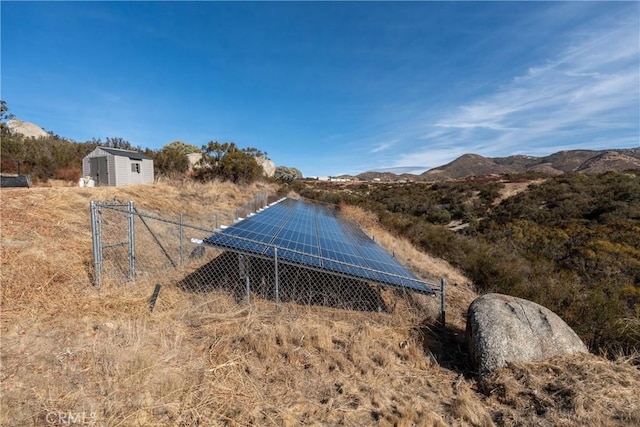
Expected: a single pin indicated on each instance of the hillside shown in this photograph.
(469, 165)
(586, 161)
(69, 349)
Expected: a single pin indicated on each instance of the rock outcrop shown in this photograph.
(502, 329)
(268, 166)
(193, 159)
(26, 129)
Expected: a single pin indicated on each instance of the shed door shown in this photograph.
(98, 167)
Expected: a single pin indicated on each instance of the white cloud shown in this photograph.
(589, 91)
(384, 146)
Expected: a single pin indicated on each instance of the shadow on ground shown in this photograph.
(447, 345)
(249, 277)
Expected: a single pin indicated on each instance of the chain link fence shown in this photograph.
(129, 244)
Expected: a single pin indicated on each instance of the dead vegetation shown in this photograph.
(510, 189)
(204, 359)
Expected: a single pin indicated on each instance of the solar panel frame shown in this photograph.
(311, 235)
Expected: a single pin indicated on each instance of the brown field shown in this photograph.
(75, 355)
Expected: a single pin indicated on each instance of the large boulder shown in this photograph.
(268, 166)
(502, 329)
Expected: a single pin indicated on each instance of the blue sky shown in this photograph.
(330, 87)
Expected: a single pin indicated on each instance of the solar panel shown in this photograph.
(311, 235)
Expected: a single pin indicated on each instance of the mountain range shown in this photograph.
(468, 165)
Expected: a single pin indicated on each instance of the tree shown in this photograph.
(5, 116)
(119, 143)
(241, 168)
(181, 147)
(12, 150)
(228, 162)
(254, 152)
(173, 158)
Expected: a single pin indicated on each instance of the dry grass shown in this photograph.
(203, 359)
(459, 290)
(567, 391)
(467, 407)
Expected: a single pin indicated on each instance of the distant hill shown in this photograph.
(467, 165)
(587, 161)
(470, 165)
(383, 176)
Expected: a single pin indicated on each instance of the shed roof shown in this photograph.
(133, 155)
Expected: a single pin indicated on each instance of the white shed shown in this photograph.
(115, 167)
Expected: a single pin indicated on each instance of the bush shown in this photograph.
(70, 174)
(228, 162)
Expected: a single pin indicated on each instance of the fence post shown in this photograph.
(442, 303)
(275, 260)
(215, 225)
(99, 235)
(244, 272)
(132, 242)
(94, 240)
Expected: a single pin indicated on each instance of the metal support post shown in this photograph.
(443, 309)
(132, 242)
(275, 260)
(94, 239)
(244, 272)
(99, 244)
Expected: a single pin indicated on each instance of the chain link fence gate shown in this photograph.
(129, 244)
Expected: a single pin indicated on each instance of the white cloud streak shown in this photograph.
(384, 146)
(586, 94)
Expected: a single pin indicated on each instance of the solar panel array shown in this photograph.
(311, 235)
